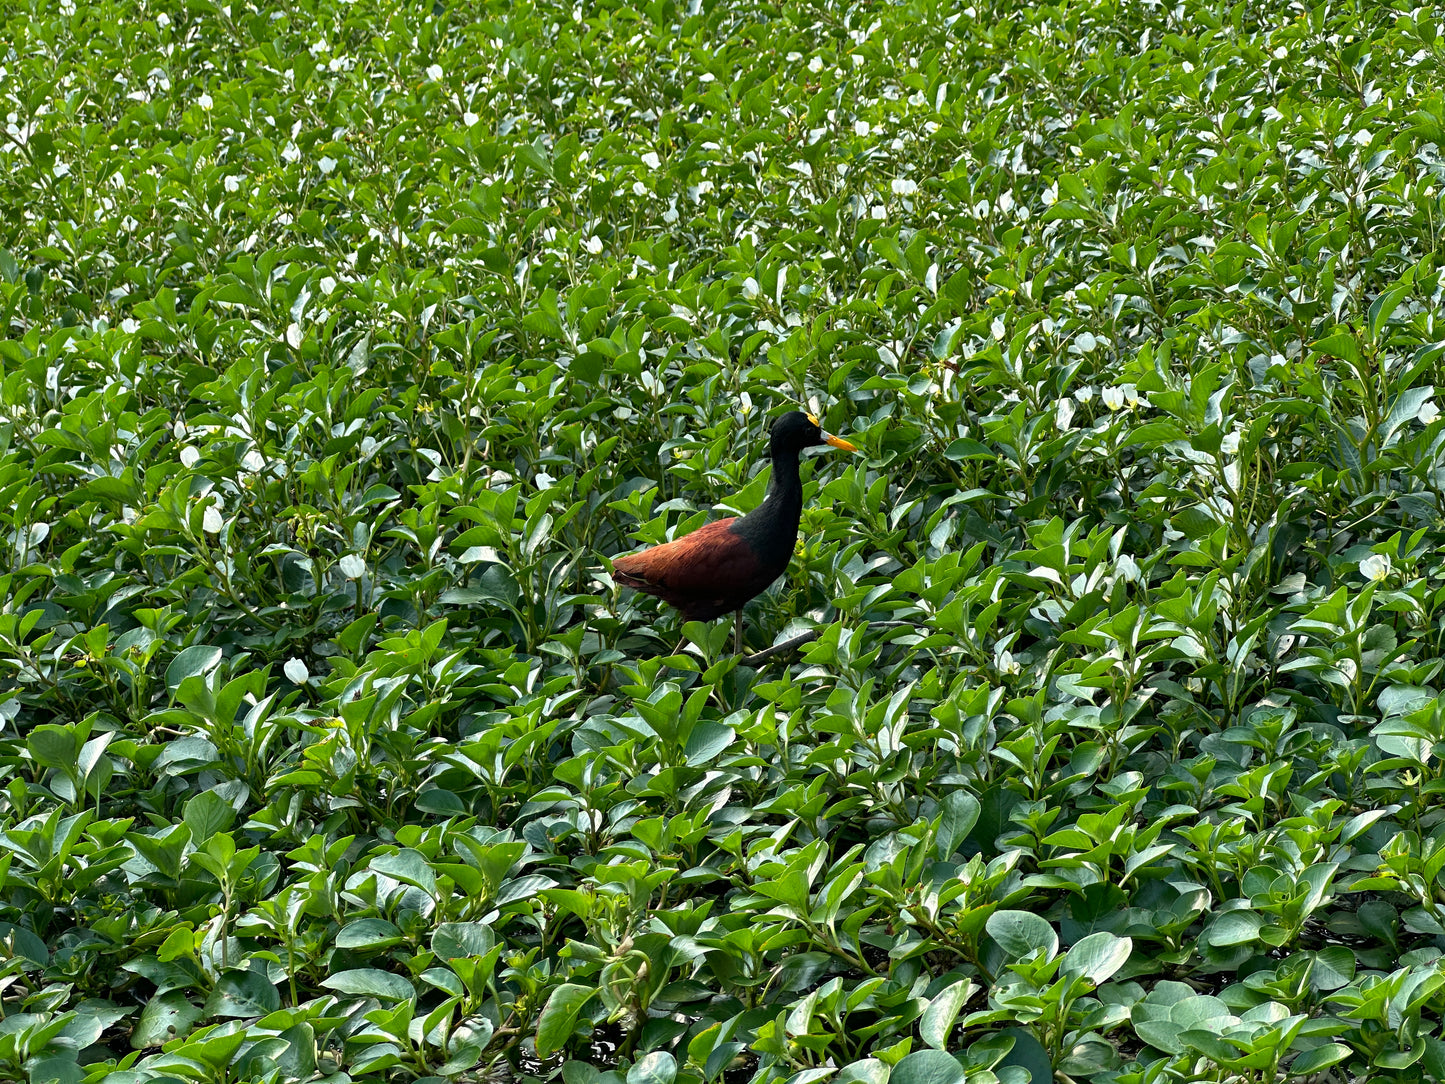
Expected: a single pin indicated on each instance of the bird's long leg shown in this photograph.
(738, 632)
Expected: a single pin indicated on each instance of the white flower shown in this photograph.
(352, 566)
(902, 186)
(1064, 414)
(291, 152)
(1128, 568)
(1004, 661)
(233, 182)
(205, 101)
(997, 329)
(1113, 398)
(670, 215)
(1280, 52)
(651, 161)
(1085, 394)
(1086, 342)
(293, 336)
(211, 520)
(593, 244)
(163, 20)
(879, 211)
(1131, 393)
(638, 188)
(435, 73)
(296, 672)
(1363, 137)
(469, 118)
(1230, 444)
(189, 456)
(751, 288)
(816, 64)
(130, 325)
(326, 285)
(1375, 567)
(861, 127)
(1428, 412)
(327, 164)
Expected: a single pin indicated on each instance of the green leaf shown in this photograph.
(659, 1067)
(1021, 933)
(206, 815)
(938, 1019)
(165, 1017)
(559, 1017)
(193, 661)
(1097, 956)
(959, 814)
(928, 1067)
(369, 982)
(243, 993)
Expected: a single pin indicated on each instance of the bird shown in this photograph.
(722, 565)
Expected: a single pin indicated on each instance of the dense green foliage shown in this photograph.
(341, 342)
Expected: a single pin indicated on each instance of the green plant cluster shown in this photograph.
(340, 342)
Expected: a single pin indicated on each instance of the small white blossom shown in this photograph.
(1230, 444)
(296, 672)
(751, 288)
(1375, 567)
(189, 456)
(205, 101)
(1128, 568)
(293, 336)
(1113, 398)
(816, 64)
(1086, 342)
(327, 164)
(997, 329)
(130, 325)
(1085, 394)
(593, 244)
(211, 520)
(638, 188)
(326, 285)
(861, 127)
(233, 182)
(903, 186)
(352, 566)
(291, 152)
(651, 161)
(435, 73)
(1363, 137)
(469, 118)
(1428, 412)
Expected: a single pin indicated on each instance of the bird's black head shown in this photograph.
(795, 431)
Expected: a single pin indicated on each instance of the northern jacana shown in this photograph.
(722, 565)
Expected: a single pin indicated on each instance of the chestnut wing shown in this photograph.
(706, 573)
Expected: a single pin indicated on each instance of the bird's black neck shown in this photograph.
(771, 529)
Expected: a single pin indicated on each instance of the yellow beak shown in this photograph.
(829, 438)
